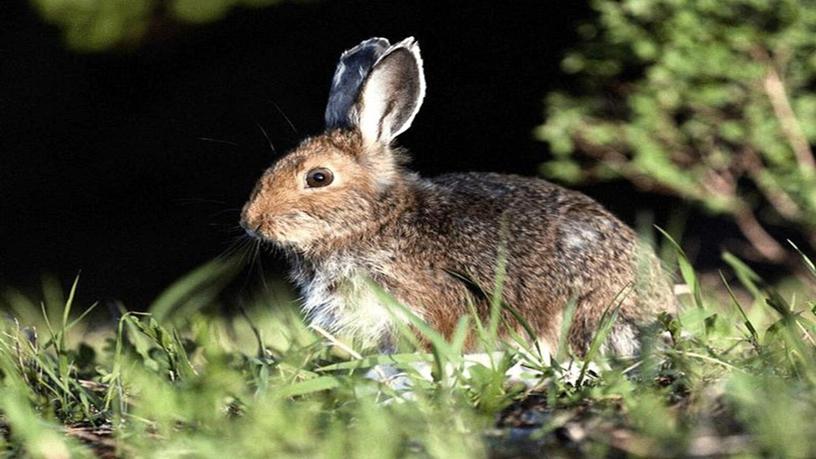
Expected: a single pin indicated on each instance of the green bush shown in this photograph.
(711, 100)
(95, 25)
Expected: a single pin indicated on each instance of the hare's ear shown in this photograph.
(352, 70)
(391, 94)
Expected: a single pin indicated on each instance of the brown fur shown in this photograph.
(434, 243)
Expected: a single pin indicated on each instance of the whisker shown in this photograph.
(237, 229)
(227, 228)
(251, 255)
(260, 266)
(268, 140)
(239, 244)
(198, 201)
(224, 211)
(227, 142)
(288, 121)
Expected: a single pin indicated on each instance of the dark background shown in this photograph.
(104, 164)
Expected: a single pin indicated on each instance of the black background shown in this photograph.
(105, 170)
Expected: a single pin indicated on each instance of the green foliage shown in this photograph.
(95, 25)
(736, 376)
(708, 100)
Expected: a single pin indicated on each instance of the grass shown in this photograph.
(738, 377)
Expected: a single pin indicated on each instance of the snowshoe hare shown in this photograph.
(347, 212)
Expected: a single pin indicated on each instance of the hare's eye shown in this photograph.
(319, 176)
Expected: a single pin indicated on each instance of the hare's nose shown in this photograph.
(252, 230)
(251, 227)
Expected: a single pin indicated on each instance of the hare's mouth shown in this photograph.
(253, 230)
(291, 230)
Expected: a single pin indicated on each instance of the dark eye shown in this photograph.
(319, 176)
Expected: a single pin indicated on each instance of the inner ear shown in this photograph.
(392, 94)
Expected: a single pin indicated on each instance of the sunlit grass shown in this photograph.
(736, 377)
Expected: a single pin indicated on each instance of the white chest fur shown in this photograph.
(339, 298)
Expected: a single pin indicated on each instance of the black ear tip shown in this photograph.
(373, 45)
(355, 64)
(378, 41)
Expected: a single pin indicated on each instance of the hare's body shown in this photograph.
(349, 214)
(441, 253)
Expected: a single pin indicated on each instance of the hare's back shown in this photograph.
(543, 224)
(521, 199)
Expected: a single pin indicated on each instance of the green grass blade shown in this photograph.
(746, 321)
(197, 287)
(368, 362)
(401, 313)
(563, 351)
(66, 311)
(319, 384)
(608, 320)
(809, 264)
(460, 334)
(686, 269)
(48, 324)
(81, 316)
(496, 301)
(747, 277)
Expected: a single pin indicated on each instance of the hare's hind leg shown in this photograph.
(591, 312)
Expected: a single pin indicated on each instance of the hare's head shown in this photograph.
(339, 183)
